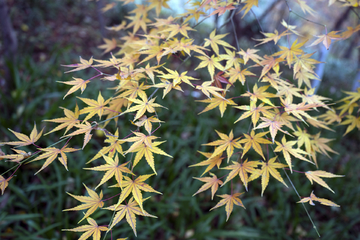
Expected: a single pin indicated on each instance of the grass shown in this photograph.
(31, 207)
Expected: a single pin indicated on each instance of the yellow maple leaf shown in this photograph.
(112, 168)
(313, 198)
(227, 143)
(142, 106)
(242, 169)
(207, 88)
(214, 102)
(129, 211)
(91, 202)
(210, 182)
(254, 141)
(229, 201)
(95, 107)
(52, 153)
(89, 230)
(80, 66)
(326, 39)
(4, 182)
(25, 140)
(69, 121)
(286, 148)
(147, 151)
(317, 175)
(211, 161)
(110, 44)
(135, 187)
(268, 168)
(215, 40)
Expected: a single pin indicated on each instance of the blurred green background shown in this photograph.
(54, 33)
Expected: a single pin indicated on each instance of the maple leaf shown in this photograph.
(298, 110)
(178, 78)
(139, 139)
(270, 63)
(319, 144)
(206, 88)
(305, 8)
(95, 107)
(78, 84)
(21, 155)
(330, 116)
(167, 85)
(253, 111)
(222, 9)
(4, 183)
(134, 187)
(150, 71)
(286, 148)
(210, 182)
(317, 175)
(211, 161)
(192, 13)
(231, 59)
(236, 73)
(248, 5)
(25, 140)
(288, 90)
(310, 97)
(52, 153)
(110, 44)
(260, 93)
(147, 122)
(130, 210)
(89, 230)
(138, 22)
(274, 125)
(290, 53)
(69, 121)
(326, 39)
(229, 201)
(133, 89)
(112, 168)
(313, 198)
(250, 54)
(115, 146)
(352, 98)
(353, 122)
(142, 106)
(221, 103)
(215, 40)
(91, 202)
(118, 27)
(227, 143)
(272, 37)
(268, 168)
(291, 28)
(349, 32)
(304, 138)
(210, 63)
(158, 5)
(177, 28)
(147, 151)
(80, 66)
(242, 169)
(304, 62)
(254, 141)
(83, 128)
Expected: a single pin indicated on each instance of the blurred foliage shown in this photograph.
(32, 206)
